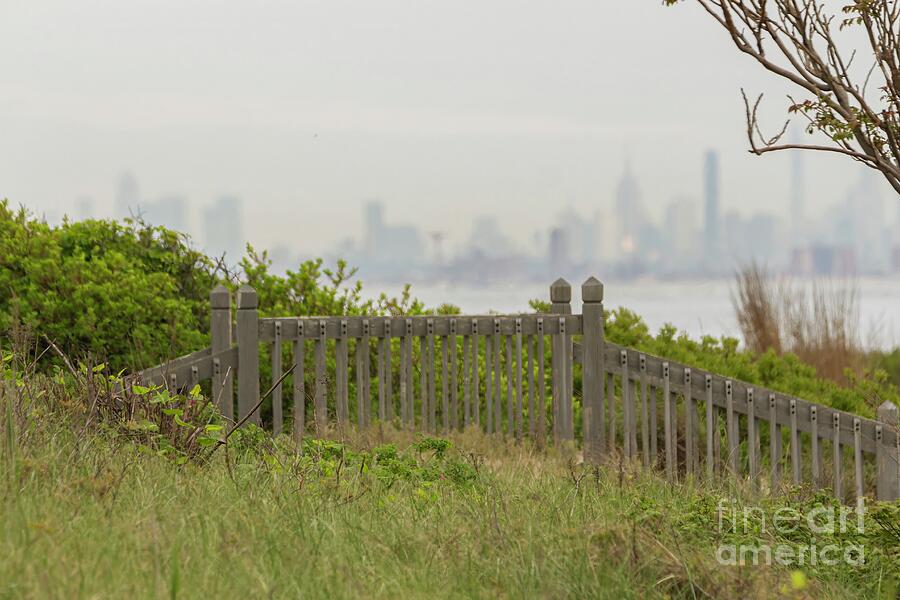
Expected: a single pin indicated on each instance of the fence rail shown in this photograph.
(535, 375)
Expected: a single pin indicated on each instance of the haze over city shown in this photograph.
(521, 118)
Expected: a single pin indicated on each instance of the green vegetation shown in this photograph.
(145, 493)
(108, 496)
(132, 295)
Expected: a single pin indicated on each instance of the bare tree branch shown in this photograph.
(795, 40)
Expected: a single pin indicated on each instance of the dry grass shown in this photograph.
(820, 323)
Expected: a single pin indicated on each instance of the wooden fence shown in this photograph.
(548, 376)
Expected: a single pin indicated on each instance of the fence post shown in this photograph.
(220, 334)
(888, 457)
(592, 364)
(560, 304)
(248, 352)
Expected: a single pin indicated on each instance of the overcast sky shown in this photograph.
(443, 109)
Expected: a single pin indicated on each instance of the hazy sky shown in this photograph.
(443, 109)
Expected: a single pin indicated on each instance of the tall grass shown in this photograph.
(819, 322)
(93, 510)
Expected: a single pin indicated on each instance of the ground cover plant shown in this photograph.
(108, 494)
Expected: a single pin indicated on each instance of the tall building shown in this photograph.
(680, 234)
(373, 215)
(127, 196)
(386, 245)
(222, 228)
(168, 211)
(630, 212)
(711, 202)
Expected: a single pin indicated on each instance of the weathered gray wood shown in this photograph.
(397, 327)
(887, 456)
(774, 453)
(654, 368)
(409, 400)
(467, 398)
(752, 445)
(654, 426)
(611, 405)
(645, 413)
(454, 377)
(220, 340)
(248, 352)
(388, 375)
(795, 445)
(541, 386)
(593, 369)
(627, 407)
(298, 355)
(815, 451)
(431, 423)
(367, 374)
(560, 304)
(532, 417)
(498, 377)
(488, 383)
(426, 376)
(689, 431)
(669, 428)
(445, 382)
(837, 457)
(358, 353)
(510, 415)
(277, 398)
(712, 428)
(476, 380)
(731, 425)
(519, 366)
(321, 408)
(342, 375)
(857, 459)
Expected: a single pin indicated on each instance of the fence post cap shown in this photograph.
(560, 291)
(220, 297)
(887, 412)
(592, 290)
(247, 298)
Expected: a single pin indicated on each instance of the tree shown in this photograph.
(852, 94)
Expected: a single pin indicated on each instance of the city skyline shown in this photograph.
(694, 235)
(323, 109)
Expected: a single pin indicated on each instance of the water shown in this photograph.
(697, 307)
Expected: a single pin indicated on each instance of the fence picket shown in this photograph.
(645, 412)
(518, 409)
(712, 428)
(836, 456)
(732, 426)
(541, 385)
(667, 411)
(689, 432)
(814, 450)
(795, 444)
(277, 403)
(752, 445)
(299, 380)
(454, 378)
(321, 412)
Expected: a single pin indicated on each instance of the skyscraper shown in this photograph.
(711, 209)
(630, 212)
(223, 233)
(127, 196)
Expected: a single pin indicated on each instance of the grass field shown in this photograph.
(94, 515)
